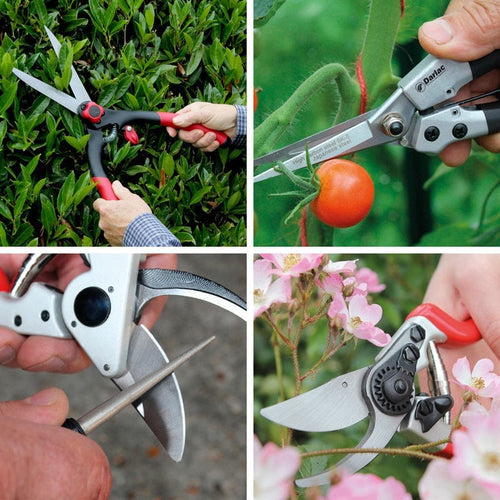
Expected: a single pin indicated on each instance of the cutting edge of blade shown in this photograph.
(75, 83)
(299, 146)
(56, 95)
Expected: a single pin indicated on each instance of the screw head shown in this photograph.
(431, 133)
(460, 130)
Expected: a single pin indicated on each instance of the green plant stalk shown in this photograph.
(482, 216)
(270, 130)
(378, 48)
(376, 65)
(380, 451)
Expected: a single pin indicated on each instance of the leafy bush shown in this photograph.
(131, 54)
(307, 81)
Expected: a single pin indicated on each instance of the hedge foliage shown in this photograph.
(130, 54)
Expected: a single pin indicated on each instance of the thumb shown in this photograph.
(120, 190)
(469, 29)
(49, 407)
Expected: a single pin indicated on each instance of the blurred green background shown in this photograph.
(301, 38)
(406, 278)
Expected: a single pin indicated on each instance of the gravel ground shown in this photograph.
(213, 385)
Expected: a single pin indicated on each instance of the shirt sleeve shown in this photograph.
(240, 138)
(147, 231)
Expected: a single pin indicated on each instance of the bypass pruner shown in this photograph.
(384, 392)
(101, 309)
(102, 124)
(419, 115)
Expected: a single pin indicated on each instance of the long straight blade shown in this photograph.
(56, 95)
(162, 408)
(332, 406)
(299, 146)
(75, 83)
(354, 139)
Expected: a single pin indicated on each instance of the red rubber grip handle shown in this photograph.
(459, 333)
(166, 119)
(104, 188)
(5, 284)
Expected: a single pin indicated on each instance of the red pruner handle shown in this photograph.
(104, 188)
(5, 284)
(459, 333)
(166, 119)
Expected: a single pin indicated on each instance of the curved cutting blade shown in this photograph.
(158, 282)
(331, 406)
(162, 408)
(378, 435)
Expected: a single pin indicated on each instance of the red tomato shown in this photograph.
(346, 193)
(255, 100)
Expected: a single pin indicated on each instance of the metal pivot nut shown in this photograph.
(393, 125)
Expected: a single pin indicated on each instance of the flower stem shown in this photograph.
(379, 451)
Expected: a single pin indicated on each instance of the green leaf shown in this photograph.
(194, 61)
(7, 98)
(198, 196)
(48, 214)
(7, 65)
(65, 195)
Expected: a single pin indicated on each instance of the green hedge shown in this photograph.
(131, 54)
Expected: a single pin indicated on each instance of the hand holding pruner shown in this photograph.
(102, 124)
(419, 115)
(101, 310)
(384, 392)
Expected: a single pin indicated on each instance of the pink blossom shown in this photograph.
(359, 318)
(331, 283)
(367, 487)
(293, 264)
(370, 278)
(274, 469)
(476, 452)
(266, 291)
(480, 381)
(341, 266)
(437, 483)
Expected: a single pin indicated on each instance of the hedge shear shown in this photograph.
(384, 392)
(418, 115)
(101, 309)
(102, 124)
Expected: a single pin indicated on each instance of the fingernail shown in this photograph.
(439, 30)
(7, 354)
(54, 364)
(47, 397)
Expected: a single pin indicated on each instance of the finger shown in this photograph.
(49, 407)
(41, 461)
(469, 29)
(490, 142)
(172, 132)
(10, 343)
(38, 353)
(455, 154)
(120, 190)
(191, 136)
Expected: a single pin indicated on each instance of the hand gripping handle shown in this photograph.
(166, 119)
(459, 333)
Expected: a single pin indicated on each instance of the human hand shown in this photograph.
(221, 117)
(39, 459)
(469, 30)
(466, 286)
(38, 353)
(116, 215)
